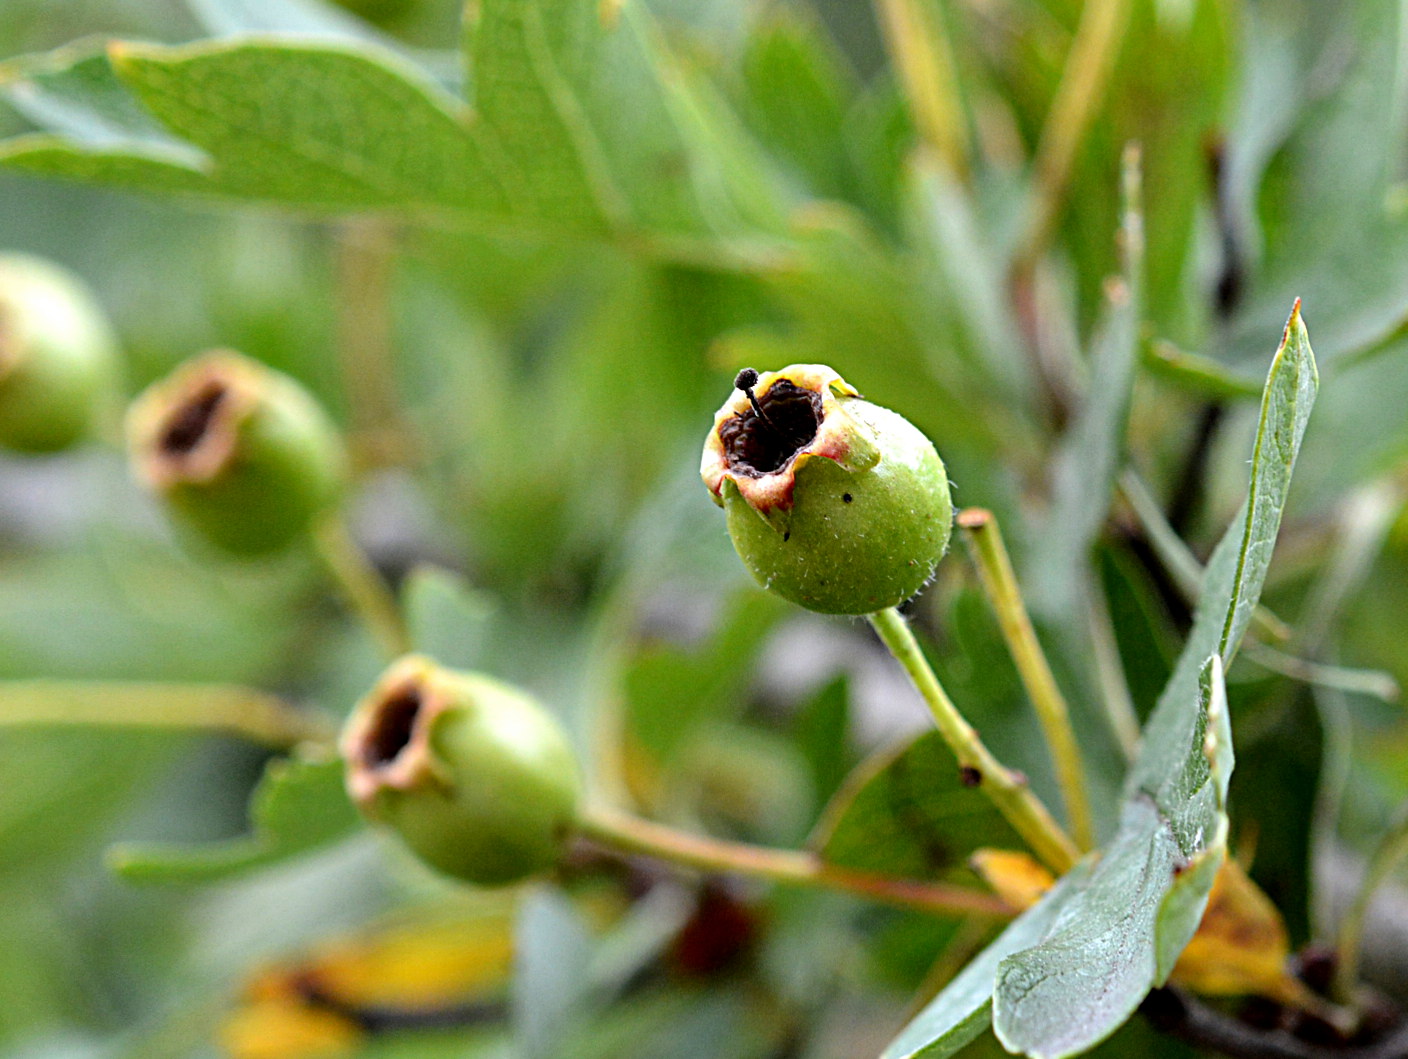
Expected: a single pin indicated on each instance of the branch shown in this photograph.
(1179, 1015)
(631, 834)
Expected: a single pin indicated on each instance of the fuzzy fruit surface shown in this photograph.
(58, 360)
(856, 541)
(505, 793)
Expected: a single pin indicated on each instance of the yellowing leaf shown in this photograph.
(286, 1027)
(308, 1008)
(1241, 944)
(419, 966)
(1018, 878)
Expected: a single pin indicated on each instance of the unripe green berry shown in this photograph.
(834, 503)
(242, 455)
(58, 361)
(474, 776)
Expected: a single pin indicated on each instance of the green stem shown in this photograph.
(1088, 66)
(1392, 850)
(238, 711)
(631, 834)
(919, 48)
(983, 537)
(1007, 790)
(1372, 682)
(367, 594)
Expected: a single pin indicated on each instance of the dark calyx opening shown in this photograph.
(189, 424)
(756, 445)
(391, 733)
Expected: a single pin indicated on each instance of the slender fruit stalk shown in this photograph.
(631, 834)
(1006, 789)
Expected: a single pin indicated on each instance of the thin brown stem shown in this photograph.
(1180, 1015)
(631, 834)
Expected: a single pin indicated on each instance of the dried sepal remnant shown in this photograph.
(387, 741)
(766, 437)
(766, 432)
(187, 428)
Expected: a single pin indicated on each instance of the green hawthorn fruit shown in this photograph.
(58, 358)
(474, 776)
(242, 455)
(835, 503)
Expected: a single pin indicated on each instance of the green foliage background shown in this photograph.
(641, 208)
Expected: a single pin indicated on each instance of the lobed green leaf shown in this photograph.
(582, 126)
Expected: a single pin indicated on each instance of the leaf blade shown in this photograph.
(299, 806)
(1145, 898)
(906, 813)
(963, 1010)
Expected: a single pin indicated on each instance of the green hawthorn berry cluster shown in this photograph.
(833, 502)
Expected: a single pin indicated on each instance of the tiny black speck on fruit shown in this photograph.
(846, 498)
(969, 776)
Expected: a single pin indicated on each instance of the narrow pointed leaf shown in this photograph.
(1123, 931)
(1122, 923)
(962, 1011)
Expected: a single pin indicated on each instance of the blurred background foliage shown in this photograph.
(526, 413)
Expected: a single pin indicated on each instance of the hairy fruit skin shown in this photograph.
(854, 521)
(250, 472)
(483, 785)
(58, 357)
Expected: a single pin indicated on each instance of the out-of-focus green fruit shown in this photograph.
(58, 359)
(243, 456)
(475, 776)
